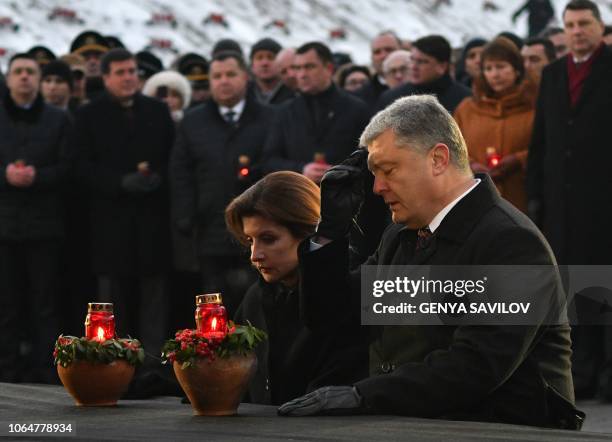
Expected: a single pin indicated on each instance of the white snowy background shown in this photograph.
(305, 20)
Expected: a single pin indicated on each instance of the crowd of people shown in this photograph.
(124, 181)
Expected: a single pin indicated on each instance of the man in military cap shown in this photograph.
(41, 54)
(114, 42)
(267, 85)
(195, 68)
(148, 65)
(77, 67)
(91, 46)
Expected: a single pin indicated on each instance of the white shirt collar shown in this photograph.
(435, 223)
(237, 109)
(582, 59)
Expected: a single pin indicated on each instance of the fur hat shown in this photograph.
(172, 80)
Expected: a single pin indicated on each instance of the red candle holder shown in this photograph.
(493, 158)
(100, 321)
(319, 158)
(211, 316)
(243, 167)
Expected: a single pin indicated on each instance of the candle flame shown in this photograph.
(100, 334)
(213, 324)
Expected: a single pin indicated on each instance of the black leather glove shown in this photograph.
(184, 226)
(342, 193)
(325, 400)
(139, 183)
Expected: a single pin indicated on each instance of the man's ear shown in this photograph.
(440, 155)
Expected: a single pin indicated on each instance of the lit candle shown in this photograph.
(100, 321)
(211, 316)
(493, 158)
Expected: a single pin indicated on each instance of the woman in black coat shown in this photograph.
(273, 217)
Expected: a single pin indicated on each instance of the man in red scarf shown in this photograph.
(568, 177)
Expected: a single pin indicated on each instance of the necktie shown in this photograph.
(230, 117)
(424, 236)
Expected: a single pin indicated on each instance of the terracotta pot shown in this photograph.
(216, 388)
(96, 385)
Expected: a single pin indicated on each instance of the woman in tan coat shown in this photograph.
(497, 121)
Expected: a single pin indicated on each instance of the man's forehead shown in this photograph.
(23, 63)
(384, 40)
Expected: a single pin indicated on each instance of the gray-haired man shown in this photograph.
(514, 374)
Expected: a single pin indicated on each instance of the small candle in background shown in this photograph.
(493, 158)
(319, 158)
(243, 167)
(143, 167)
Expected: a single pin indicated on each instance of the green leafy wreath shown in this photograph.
(190, 345)
(70, 348)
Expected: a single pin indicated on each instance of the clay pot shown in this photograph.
(216, 388)
(96, 385)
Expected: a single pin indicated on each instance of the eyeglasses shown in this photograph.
(402, 70)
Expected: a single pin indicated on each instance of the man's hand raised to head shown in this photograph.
(342, 193)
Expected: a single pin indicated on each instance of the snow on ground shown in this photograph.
(247, 19)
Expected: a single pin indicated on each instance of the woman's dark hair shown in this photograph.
(348, 69)
(500, 49)
(286, 198)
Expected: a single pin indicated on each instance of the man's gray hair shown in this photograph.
(421, 122)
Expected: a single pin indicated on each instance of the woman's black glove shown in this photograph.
(342, 193)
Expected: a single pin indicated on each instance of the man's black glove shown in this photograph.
(342, 193)
(139, 183)
(325, 400)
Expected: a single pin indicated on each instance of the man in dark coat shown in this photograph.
(124, 141)
(321, 126)
(429, 75)
(568, 171)
(381, 46)
(35, 156)
(267, 85)
(217, 156)
(442, 216)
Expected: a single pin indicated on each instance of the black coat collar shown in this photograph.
(461, 220)
(19, 114)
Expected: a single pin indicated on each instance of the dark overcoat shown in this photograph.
(568, 167)
(130, 233)
(204, 169)
(42, 137)
(514, 374)
(296, 359)
(294, 140)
